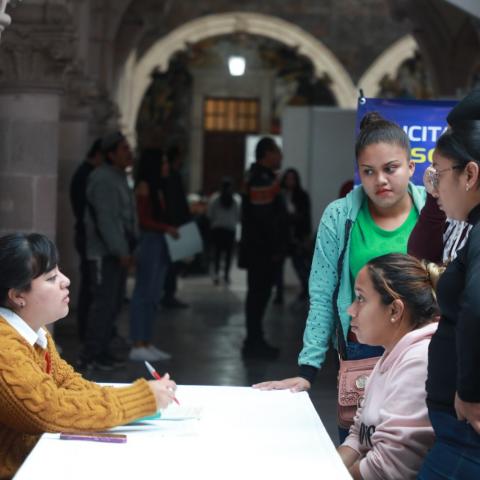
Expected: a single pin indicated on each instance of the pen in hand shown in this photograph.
(156, 375)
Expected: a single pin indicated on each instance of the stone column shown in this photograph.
(33, 58)
(74, 140)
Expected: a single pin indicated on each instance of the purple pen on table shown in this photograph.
(95, 437)
(156, 375)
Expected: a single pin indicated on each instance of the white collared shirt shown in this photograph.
(39, 337)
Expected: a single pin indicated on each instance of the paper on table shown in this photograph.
(188, 244)
(173, 412)
(182, 412)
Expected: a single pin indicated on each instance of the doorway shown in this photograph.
(226, 122)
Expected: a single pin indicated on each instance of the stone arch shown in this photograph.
(135, 77)
(387, 64)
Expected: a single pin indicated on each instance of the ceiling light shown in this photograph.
(236, 66)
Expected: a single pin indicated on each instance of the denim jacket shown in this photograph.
(327, 299)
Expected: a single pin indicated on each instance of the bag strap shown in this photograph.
(341, 344)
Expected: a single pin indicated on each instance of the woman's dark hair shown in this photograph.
(461, 142)
(294, 172)
(397, 276)
(375, 129)
(226, 194)
(24, 257)
(150, 171)
(149, 166)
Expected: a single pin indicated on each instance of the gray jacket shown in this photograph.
(110, 216)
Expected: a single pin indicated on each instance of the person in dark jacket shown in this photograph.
(297, 202)
(78, 199)
(453, 382)
(264, 242)
(178, 213)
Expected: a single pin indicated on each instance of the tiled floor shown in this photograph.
(205, 342)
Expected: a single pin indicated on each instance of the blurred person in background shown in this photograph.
(224, 214)
(153, 259)
(297, 202)
(78, 199)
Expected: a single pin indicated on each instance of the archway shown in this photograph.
(387, 64)
(135, 77)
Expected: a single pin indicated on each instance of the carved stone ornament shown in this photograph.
(81, 91)
(36, 54)
(105, 112)
(5, 19)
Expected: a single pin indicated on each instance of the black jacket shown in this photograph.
(264, 218)
(78, 199)
(454, 353)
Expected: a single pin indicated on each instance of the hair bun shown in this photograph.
(370, 119)
(434, 272)
(468, 109)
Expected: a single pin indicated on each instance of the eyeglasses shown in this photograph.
(433, 175)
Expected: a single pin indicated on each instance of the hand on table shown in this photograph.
(163, 390)
(468, 411)
(294, 384)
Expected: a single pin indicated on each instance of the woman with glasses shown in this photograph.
(453, 381)
(435, 237)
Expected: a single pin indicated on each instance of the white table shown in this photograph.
(242, 434)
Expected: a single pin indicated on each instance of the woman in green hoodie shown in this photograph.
(374, 219)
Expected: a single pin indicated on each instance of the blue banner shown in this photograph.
(423, 121)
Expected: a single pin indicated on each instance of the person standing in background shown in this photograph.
(263, 244)
(297, 201)
(153, 259)
(112, 232)
(224, 214)
(178, 213)
(78, 199)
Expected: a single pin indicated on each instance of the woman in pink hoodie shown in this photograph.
(394, 307)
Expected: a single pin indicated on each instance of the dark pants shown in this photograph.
(455, 455)
(260, 277)
(107, 283)
(84, 297)
(153, 261)
(223, 240)
(170, 283)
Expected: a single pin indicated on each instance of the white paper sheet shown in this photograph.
(187, 245)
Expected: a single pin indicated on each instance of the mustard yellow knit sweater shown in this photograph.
(33, 401)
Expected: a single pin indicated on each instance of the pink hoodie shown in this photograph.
(392, 431)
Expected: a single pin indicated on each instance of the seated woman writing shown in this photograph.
(394, 307)
(40, 392)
